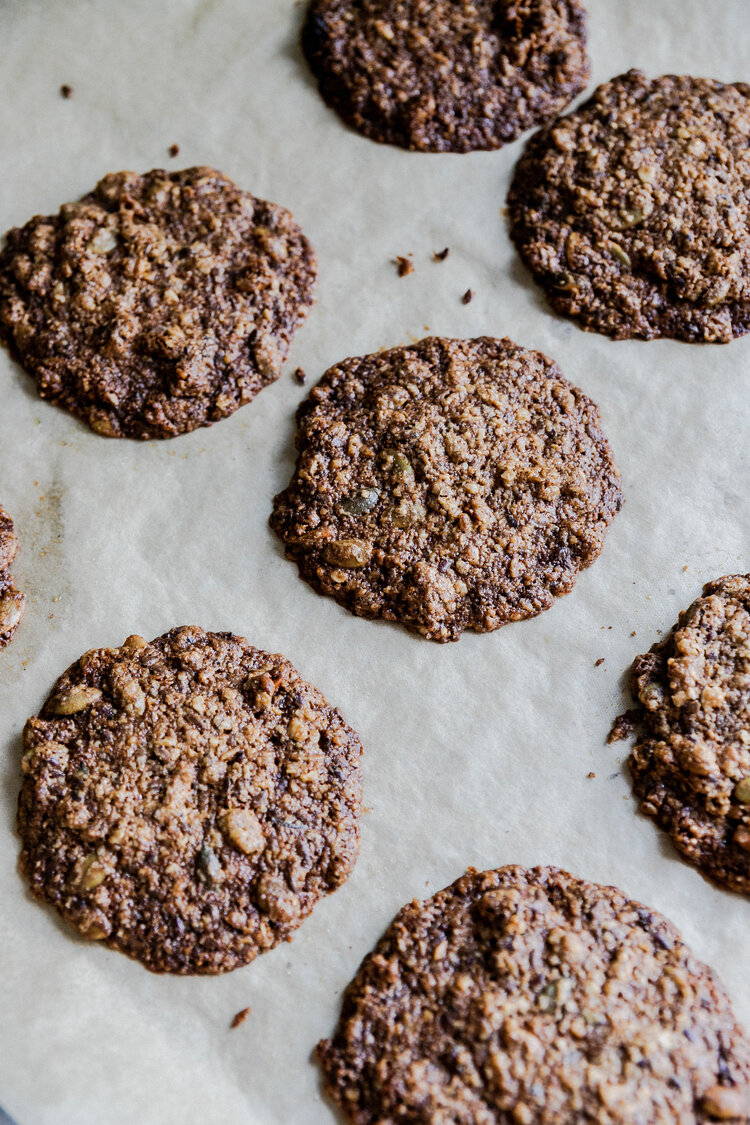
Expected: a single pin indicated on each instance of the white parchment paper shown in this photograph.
(477, 752)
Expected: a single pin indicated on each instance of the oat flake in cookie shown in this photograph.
(448, 485)
(529, 997)
(158, 303)
(447, 75)
(633, 212)
(691, 761)
(12, 602)
(187, 801)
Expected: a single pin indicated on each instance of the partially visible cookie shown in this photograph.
(156, 304)
(691, 761)
(187, 801)
(529, 997)
(12, 602)
(447, 485)
(633, 212)
(447, 75)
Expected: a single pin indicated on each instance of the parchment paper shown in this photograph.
(476, 752)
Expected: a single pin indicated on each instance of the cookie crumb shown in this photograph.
(441, 255)
(66, 91)
(299, 375)
(598, 663)
(467, 297)
(685, 567)
(623, 726)
(174, 150)
(403, 266)
(634, 634)
(239, 1018)
(591, 774)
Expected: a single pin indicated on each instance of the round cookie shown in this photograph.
(448, 485)
(447, 75)
(528, 997)
(691, 761)
(12, 602)
(187, 801)
(158, 303)
(633, 212)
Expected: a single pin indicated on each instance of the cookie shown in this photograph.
(448, 485)
(12, 602)
(691, 761)
(187, 801)
(158, 303)
(529, 997)
(633, 212)
(446, 75)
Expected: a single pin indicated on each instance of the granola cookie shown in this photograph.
(447, 75)
(158, 303)
(691, 761)
(633, 212)
(187, 801)
(529, 997)
(448, 485)
(12, 602)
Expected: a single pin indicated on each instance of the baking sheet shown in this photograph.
(477, 752)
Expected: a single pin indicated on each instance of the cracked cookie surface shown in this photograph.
(12, 602)
(447, 75)
(448, 485)
(691, 761)
(530, 997)
(633, 212)
(187, 801)
(157, 303)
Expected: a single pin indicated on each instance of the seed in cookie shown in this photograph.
(156, 304)
(447, 75)
(187, 801)
(633, 212)
(448, 485)
(12, 602)
(691, 761)
(534, 998)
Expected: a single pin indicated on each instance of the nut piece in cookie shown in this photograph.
(156, 304)
(12, 602)
(633, 212)
(448, 485)
(447, 75)
(187, 801)
(534, 998)
(691, 761)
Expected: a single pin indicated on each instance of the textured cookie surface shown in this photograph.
(12, 602)
(691, 761)
(447, 75)
(187, 801)
(450, 485)
(156, 304)
(633, 212)
(528, 997)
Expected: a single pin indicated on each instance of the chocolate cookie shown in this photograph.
(528, 997)
(633, 212)
(11, 601)
(691, 761)
(187, 801)
(449, 485)
(447, 75)
(158, 303)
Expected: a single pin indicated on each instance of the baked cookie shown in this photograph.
(12, 602)
(158, 303)
(187, 801)
(447, 75)
(633, 212)
(448, 485)
(691, 761)
(528, 997)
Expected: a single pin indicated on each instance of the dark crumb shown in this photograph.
(598, 663)
(299, 375)
(441, 255)
(634, 634)
(239, 1018)
(623, 726)
(403, 266)
(591, 774)
(467, 297)
(174, 150)
(66, 91)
